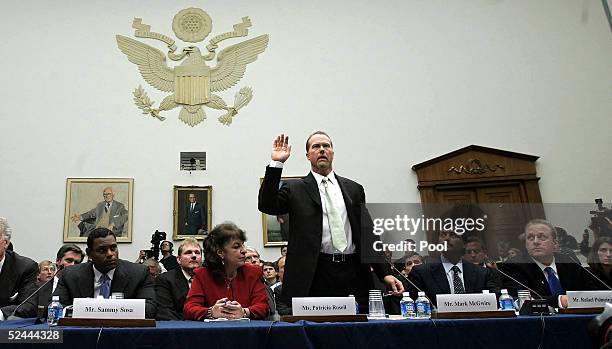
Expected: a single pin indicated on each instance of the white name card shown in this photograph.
(588, 299)
(310, 306)
(470, 302)
(91, 308)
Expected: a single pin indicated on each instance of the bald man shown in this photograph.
(109, 214)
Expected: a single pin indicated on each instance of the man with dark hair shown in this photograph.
(270, 273)
(172, 287)
(17, 274)
(548, 273)
(451, 274)
(106, 274)
(168, 260)
(326, 210)
(66, 256)
(475, 251)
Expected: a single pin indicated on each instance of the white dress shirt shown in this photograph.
(447, 265)
(97, 283)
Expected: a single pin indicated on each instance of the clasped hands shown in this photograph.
(224, 308)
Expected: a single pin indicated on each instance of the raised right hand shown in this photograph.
(281, 150)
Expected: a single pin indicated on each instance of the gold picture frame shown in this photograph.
(274, 232)
(194, 223)
(85, 207)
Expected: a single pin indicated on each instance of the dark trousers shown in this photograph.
(339, 279)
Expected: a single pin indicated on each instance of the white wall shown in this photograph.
(394, 82)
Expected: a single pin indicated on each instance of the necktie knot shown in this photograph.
(456, 269)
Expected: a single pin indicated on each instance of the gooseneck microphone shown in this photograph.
(575, 260)
(59, 268)
(433, 307)
(515, 280)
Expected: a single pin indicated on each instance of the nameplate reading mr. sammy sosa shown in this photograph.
(470, 302)
(90, 308)
(311, 306)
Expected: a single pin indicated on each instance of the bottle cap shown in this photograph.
(504, 291)
(485, 291)
(54, 298)
(421, 294)
(406, 294)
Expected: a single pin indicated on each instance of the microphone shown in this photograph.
(515, 280)
(12, 316)
(574, 259)
(433, 307)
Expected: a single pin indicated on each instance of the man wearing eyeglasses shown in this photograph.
(109, 214)
(548, 273)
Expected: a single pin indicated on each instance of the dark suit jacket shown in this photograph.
(18, 277)
(42, 298)
(130, 278)
(281, 307)
(194, 220)
(171, 290)
(301, 199)
(524, 269)
(432, 279)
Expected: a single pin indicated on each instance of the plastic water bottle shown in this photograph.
(55, 311)
(407, 306)
(505, 300)
(423, 308)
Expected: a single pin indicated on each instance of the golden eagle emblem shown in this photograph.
(192, 82)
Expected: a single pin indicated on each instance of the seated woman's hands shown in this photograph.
(224, 308)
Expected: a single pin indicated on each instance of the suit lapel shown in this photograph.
(86, 281)
(470, 277)
(181, 283)
(312, 189)
(439, 277)
(7, 277)
(120, 279)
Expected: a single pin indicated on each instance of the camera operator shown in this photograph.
(168, 259)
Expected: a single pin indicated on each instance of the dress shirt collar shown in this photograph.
(187, 276)
(331, 177)
(553, 265)
(98, 274)
(448, 265)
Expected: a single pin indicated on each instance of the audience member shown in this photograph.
(168, 260)
(154, 267)
(172, 287)
(514, 252)
(270, 273)
(548, 273)
(66, 256)
(475, 251)
(46, 269)
(451, 274)
(600, 262)
(226, 287)
(253, 256)
(283, 250)
(17, 274)
(106, 274)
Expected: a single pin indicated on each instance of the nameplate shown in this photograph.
(470, 302)
(588, 299)
(91, 308)
(311, 306)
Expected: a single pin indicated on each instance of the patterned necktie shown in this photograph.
(553, 282)
(105, 283)
(336, 225)
(457, 284)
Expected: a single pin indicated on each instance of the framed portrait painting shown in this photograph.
(192, 212)
(98, 202)
(276, 228)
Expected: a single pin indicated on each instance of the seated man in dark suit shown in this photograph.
(17, 274)
(451, 274)
(67, 255)
(105, 274)
(548, 273)
(171, 288)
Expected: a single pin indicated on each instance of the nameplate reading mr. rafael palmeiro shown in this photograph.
(90, 308)
(470, 302)
(317, 306)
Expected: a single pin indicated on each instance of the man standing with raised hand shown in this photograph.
(327, 211)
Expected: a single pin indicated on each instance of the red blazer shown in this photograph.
(246, 288)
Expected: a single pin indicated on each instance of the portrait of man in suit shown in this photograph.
(192, 216)
(86, 212)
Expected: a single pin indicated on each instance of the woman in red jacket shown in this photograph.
(225, 287)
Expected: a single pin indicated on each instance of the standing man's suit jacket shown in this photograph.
(171, 289)
(431, 278)
(133, 280)
(524, 269)
(118, 216)
(17, 281)
(301, 199)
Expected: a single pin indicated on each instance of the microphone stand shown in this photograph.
(12, 316)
